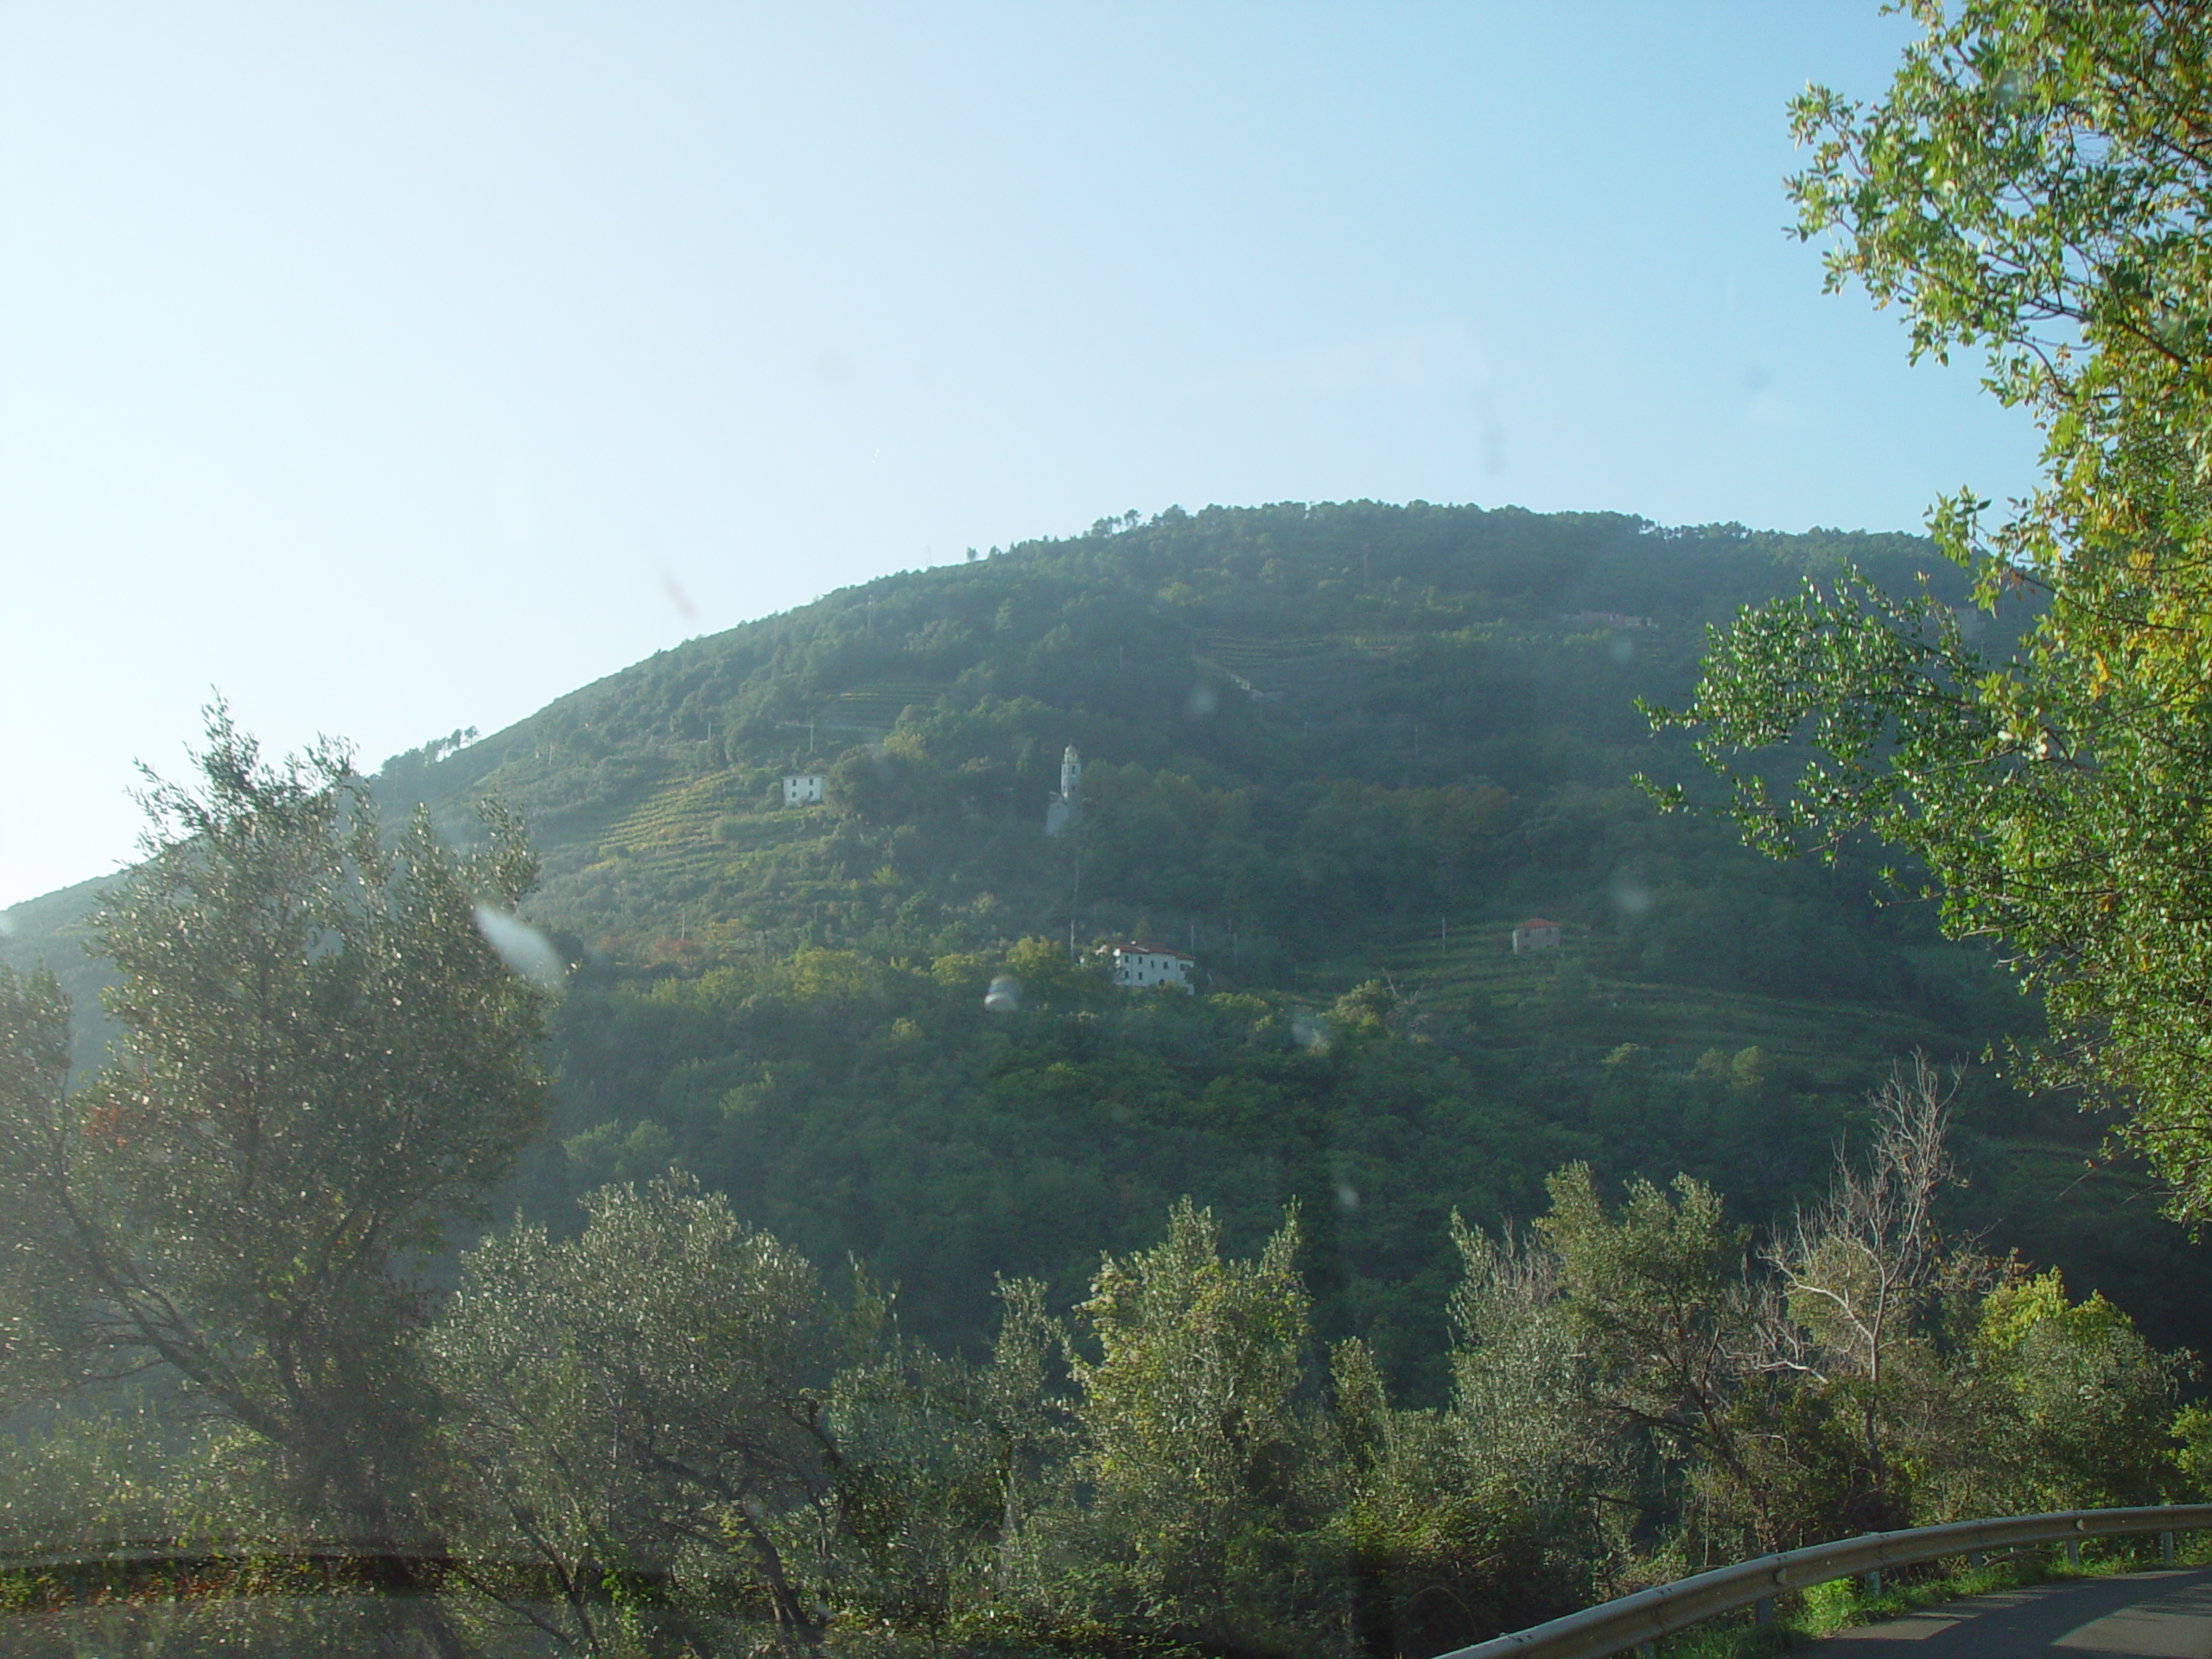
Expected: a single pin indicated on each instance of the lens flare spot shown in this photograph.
(528, 953)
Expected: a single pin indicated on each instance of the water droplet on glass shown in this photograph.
(1005, 995)
(527, 952)
(1631, 895)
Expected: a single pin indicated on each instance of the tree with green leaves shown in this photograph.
(667, 1409)
(2085, 1407)
(1490, 1513)
(35, 1312)
(940, 1463)
(1207, 1474)
(1522, 1412)
(1668, 1325)
(2035, 183)
(322, 1062)
(646, 1399)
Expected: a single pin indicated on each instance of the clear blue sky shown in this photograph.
(398, 367)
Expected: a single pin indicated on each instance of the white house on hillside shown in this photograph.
(1141, 966)
(1535, 934)
(802, 788)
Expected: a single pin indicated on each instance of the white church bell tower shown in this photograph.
(1062, 809)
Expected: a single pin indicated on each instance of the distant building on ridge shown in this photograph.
(802, 788)
(1062, 809)
(1535, 934)
(1140, 966)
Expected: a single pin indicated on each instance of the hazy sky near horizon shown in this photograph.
(398, 368)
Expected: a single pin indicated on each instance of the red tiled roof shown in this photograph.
(1534, 921)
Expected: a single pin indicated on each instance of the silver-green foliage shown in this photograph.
(1202, 1454)
(320, 1062)
(1524, 1419)
(641, 1404)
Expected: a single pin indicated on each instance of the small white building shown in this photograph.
(1535, 934)
(802, 788)
(1140, 966)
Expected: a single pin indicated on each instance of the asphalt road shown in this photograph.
(2162, 1615)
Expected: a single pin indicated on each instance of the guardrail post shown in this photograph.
(2073, 1552)
(1873, 1583)
(1974, 1560)
(2165, 1549)
(1762, 1610)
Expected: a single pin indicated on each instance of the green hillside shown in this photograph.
(1334, 751)
(1304, 727)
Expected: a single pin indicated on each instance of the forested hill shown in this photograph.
(1311, 729)
(1335, 752)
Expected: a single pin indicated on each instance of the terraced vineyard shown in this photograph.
(872, 708)
(698, 841)
(678, 816)
(1472, 981)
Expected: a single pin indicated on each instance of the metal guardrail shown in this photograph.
(1617, 1626)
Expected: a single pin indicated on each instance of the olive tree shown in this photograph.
(322, 1062)
(645, 1401)
(1490, 1513)
(940, 1463)
(1668, 1325)
(1207, 1475)
(36, 1306)
(1524, 1415)
(2085, 1406)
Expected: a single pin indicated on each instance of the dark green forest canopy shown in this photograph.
(1302, 723)
(1326, 748)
